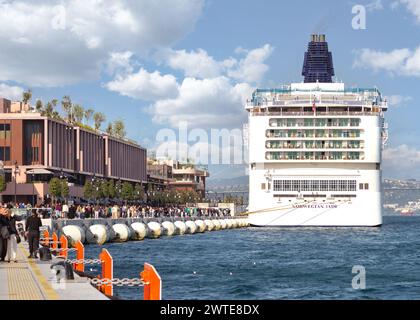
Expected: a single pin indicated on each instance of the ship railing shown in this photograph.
(333, 113)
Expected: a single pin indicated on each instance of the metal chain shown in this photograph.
(65, 249)
(85, 261)
(118, 282)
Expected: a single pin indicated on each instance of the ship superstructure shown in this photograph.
(315, 150)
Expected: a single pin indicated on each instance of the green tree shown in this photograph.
(119, 129)
(54, 187)
(78, 113)
(88, 114)
(67, 108)
(65, 188)
(104, 188)
(127, 191)
(111, 189)
(98, 118)
(38, 105)
(3, 185)
(88, 190)
(110, 129)
(26, 96)
(138, 192)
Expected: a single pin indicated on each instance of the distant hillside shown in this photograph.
(237, 184)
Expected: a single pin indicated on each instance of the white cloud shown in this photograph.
(10, 92)
(206, 103)
(252, 68)
(61, 43)
(399, 61)
(413, 6)
(120, 62)
(402, 161)
(145, 85)
(375, 5)
(194, 64)
(398, 100)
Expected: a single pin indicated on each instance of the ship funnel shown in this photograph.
(318, 64)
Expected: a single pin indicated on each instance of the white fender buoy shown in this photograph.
(180, 227)
(217, 225)
(155, 230)
(191, 226)
(234, 223)
(122, 232)
(209, 225)
(201, 226)
(228, 223)
(168, 228)
(140, 230)
(100, 233)
(223, 224)
(74, 233)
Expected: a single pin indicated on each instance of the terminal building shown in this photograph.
(35, 148)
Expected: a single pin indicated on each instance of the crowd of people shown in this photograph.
(96, 211)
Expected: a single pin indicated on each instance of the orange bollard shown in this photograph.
(153, 283)
(80, 248)
(46, 235)
(64, 245)
(55, 241)
(107, 271)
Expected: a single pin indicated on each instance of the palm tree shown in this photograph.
(67, 108)
(88, 114)
(26, 96)
(38, 105)
(78, 113)
(119, 129)
(98, 118)
(110, 129)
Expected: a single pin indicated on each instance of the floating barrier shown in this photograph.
(191, 227)
(168, 228)
(217, 225)
(180, 227)
(209, 225)
(154, 230)
(201, 226)
(100, 233)
(140, 230)
(74, 233)
(122, 232)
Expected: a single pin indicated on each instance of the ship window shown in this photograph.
(366, 186)
(361, 186)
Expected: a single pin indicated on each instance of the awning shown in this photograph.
(38, 171)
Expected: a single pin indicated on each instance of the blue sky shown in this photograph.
(155, 63)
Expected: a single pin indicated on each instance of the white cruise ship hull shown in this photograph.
(331, 213)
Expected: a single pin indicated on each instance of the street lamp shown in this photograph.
(16, 172)
(33, 190)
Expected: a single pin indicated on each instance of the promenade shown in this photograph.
(32, 279)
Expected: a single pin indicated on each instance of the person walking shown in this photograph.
(14, 236)
(33, 223)
(65, 211)
(4, 233)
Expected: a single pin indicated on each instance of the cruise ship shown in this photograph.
(315, 149)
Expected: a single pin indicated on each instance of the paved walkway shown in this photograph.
(32, 279)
